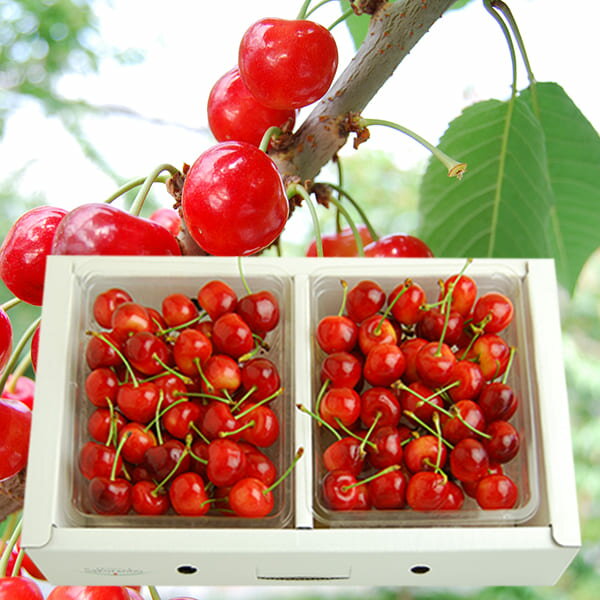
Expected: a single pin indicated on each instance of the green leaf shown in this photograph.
(459, 4)
(502, 206)
(573, 155)
(357, 25)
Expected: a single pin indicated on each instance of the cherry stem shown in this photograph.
(208, 384)
(424, 425)
(388, 310)
(18, 562)
(163, 413)
(197, 458)
(10, 544)
(341, 18)
(161, 399)
(266, 138)
(359, 243)
(295, 189)
(248, 425)
(298, 456)
(351, 433)
(166, 367)
(14, 357)
(249, 355)
(119, 354)
(455, 168)
(242, 276)
(19, 371)
(244, 398)
(317, 418)
(130, 185)
(315, 7)
(487, 436)
(263, 401)
(511, 356)
(183, 325)
(112, 433)
(203, 395)
(402, 386)
(385, 471)
(344, 297)
(154, 595)
(321, 393)
(113, 471)
(136, 207)
(10, 303)
(438, 433)
(199, 433)
(302, 14)
(162, 484)
(357, 206)
(365, 441)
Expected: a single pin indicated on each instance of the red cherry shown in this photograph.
(217, 298)
(222, 373)
(232, 336)
(129, 318)
(464, 293)
(496, 492)
(73, 592)
(172, 389)
(409, 348)
(287, 63)
(398, 245)
(105, 304)
(161, 460)
(34, 349)
(421, 454)
(340, 403)
(261, 375)
(235, 114)
(384, 364)
(21, 588)
(101, 423)
(264, 430)
(342, 243)
(233, 201)
(375, 330)
(110, 496)
(455, 498)
(218, 419)
(504, 443)
(470, 379)
(191, 347)
(469, 460)
(470, 487)
(495, 307)
(388, 449)
(146, 352)
(145, 502)
(178, 309)
(427, 490)
(337, 492)
(101, 386)
(138, 403)
(96, 460)
(492, 353)
(344, 454)
(100, 351)
(388, 491)
(421, 400)
(15, 427)
(342, 369)
(250, 497)
(258, 464)
(188, 496)
(138, 441)
(379, 401)
(498, 401)
(432, 323)
(434, 363)
(454, 428)
(21, 390)
(24, 250)
(407, 308)
(226, 462)
(104, 229)
(260, 311)
(364, 300)
(168, 218)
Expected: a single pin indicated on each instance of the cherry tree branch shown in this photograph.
(394, 30)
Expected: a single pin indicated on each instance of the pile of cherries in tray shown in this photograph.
(415, 409)
(182, 404)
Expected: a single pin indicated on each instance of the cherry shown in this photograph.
(24, 250)
(260, 375)
(73, 592)
(342, 369)
(178, 309)
(105, 304)
(264, 425)
(171, 387)
(496, 492)
(145, 502)
(228, 190)
(221, 373)
(22, 588)
(336, 333)
(379, 403)
(103, 351)
(470, 379)
(226, 462)
(232, 336)
(410, 348)
(15, 427)
(260, 311)
(341, 404)
(179, 418)
(137, 441)
(251, 497)
(235, 114)
(161, 460)
(398, 245)
(421, 400)
(504, 442)
(22, 390)
(110, 496)
(341, 243)
(101, 423)
(470, 487)
(363, 501)
(434, 363)
(388, 449)
(432, 323)
(455, 498)
(35, 346)
(388, 491)
(191, 347)
(364, 300)
(188, 496)
(375, 330)
(427, 490)
(339, 490)
(129, 318)
(258, 464)
(287, 64)
(496, 309)
(217, 298)
(138, 403)
(344, 454)
(491, 353)
(469, 460)
(97, 460)
(467, 421)
(384, 364)
(218, 419)
(464, 293)
(498, 401)
(407, 308)
(104, 229)
(425, 453)
(146, 352)
(168, 218)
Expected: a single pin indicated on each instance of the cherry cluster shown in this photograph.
(183, 404)
(416, 396)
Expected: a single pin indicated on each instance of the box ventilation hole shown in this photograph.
(187, 569)
(420, 569)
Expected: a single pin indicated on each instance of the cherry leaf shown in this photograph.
(502, 206)
(573, 155)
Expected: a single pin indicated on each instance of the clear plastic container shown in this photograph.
(326, 294)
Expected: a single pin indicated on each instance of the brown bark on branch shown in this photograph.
(394, 30)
